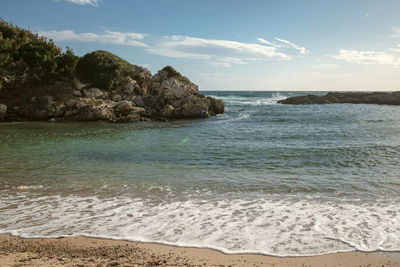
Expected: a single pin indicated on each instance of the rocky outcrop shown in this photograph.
(93, 92)
(142, 98)
(40, 82)
(381, 98)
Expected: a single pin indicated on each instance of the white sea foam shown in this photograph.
(253, 101)
(273, 226)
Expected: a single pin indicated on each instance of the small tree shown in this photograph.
(66, 63)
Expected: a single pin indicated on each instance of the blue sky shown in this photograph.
(233, 45)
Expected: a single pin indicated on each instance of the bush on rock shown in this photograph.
(103, 69)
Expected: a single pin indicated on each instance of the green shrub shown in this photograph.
(66, 63)
(103, 69)
(27, 59)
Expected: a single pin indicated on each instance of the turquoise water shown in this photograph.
(263, 177)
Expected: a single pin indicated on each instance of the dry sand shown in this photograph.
(83, 251)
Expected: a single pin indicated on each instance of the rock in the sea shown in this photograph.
(124, 93)
(175, 96)
(382, 98)
(3, 111)
(216, 105)
(93, 92)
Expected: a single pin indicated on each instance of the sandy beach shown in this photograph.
(84, 251)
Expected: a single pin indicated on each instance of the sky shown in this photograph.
(230, 44)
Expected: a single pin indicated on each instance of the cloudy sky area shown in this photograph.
(233, 45)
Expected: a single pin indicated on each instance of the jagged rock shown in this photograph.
(144, 79)
(77, 93)
(116, 98)
(94, 110)
(79, 85)
(3, 111)
(130, 86)
(194, 109)
(217, 105)
(382, 98)
(167, 112)
(125, 107)
(138, 101)
(129, 118)
(134, 95)
(93, 92)
(178, 97)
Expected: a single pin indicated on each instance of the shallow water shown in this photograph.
(263, 177)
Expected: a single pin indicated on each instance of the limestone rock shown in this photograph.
(144, 80)
(216, 105)
(93, 92)
(79, 85)
(97, 110)
(125, 107)
(116, 98)
(130, 86)
(167, 112)
(77, 93)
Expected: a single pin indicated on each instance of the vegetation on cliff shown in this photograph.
(103, 69)
(27, 59)
(172, 73)
(40, 82)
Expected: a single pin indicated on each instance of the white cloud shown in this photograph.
(285, 44)
(84, 2)
(108, 37)
(302, 50)
(220, 64)
(219, 52)
(262, 40)
(395, 32)
(395, 50)
(324, 66)
(367, 57)
(227, 62)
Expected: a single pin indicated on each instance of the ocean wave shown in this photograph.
(274, 226)
(251, 100)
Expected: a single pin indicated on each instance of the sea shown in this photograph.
(266, 178)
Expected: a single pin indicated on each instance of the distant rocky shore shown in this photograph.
(381, 98)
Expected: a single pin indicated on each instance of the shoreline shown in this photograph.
(90, 251)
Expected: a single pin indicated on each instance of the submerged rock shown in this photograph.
(382, 98)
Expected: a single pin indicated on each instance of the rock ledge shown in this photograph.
(381, 98)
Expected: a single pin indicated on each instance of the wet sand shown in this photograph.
(84, 251)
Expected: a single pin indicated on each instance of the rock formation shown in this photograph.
(40, 82)
(132, 95)
(382, 98)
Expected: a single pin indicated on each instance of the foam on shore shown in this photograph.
(271, 226)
